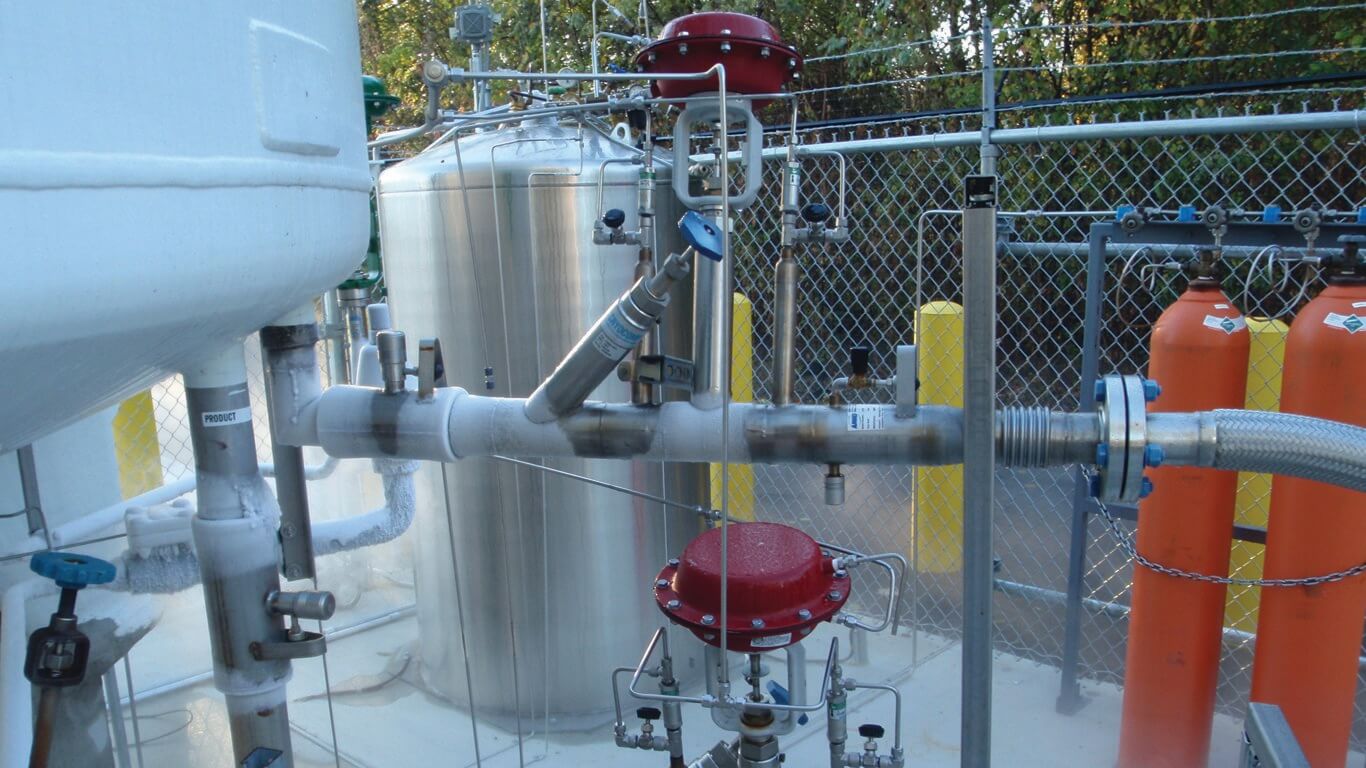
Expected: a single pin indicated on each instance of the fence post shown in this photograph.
(1069, 695)
(989, 151)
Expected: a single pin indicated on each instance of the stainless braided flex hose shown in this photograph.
(1286, 444)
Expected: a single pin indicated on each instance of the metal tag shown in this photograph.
(674, 372)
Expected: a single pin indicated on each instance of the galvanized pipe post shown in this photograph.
(989, 151)
(1069, 693)
(239, 553)
(979, 461)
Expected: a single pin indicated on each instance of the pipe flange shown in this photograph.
(1121, 402)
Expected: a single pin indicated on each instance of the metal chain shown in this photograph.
(1126, 543)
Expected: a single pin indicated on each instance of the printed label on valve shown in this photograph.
(772, 641)
(1229, 325)
(865, 418)
(1349, 323)
(615, 337)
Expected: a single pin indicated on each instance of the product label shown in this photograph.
(1229, 325)
(226, 418)
(615, 337)
(865, 418)
(772, 641)
(1349, 323)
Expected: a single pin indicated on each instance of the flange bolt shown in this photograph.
(1146, 489)
(1153, 455)
(1151, 390)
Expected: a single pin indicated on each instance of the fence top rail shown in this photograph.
(1341, 120)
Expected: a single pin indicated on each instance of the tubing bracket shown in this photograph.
(1121, 402)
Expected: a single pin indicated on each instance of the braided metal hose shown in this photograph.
(1286, 444)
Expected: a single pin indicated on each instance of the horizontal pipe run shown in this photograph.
(1343, 120)
(453, 424)
(1160, 251)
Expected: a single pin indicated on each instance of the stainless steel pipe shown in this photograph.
(711, 331)
(786, 276)
(239, 554)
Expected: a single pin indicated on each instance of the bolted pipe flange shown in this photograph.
(1123, 453)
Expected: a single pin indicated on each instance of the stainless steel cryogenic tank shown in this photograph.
(489, 246)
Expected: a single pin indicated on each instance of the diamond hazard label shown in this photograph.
(1349, 323)
(1229, 325)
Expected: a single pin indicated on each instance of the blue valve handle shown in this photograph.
(72, 570)
(703, 234)
(782, 697)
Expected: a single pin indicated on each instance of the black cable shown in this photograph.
(1183, 90)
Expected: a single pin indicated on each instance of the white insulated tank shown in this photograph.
(172, 177)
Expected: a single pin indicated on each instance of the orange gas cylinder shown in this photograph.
(1199, 356)
(1308, 638)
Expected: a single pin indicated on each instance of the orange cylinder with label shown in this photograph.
(1199, 357)
(1309, 638)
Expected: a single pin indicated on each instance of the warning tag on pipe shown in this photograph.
(865, 418)
(226, 418)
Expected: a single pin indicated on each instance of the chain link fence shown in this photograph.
(897, 281)
(903, 256)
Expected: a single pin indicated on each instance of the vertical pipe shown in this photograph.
(1069, 692)
(710, 296)
(1254, 491)
(722, 339)
(286, 346)
(238, 553)
(989, 151)
(786, 274)
(642, 393)
(336, 345)
(114, 707)
(836, 714)
(42, 728)
(33, 503)
(979, 461)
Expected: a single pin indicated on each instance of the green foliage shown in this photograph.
(398, 35)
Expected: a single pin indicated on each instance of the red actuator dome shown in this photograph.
(780, 586)
(756, 59)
